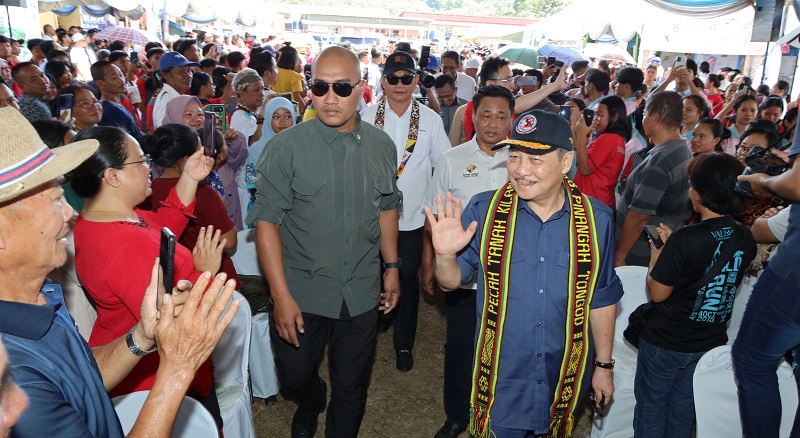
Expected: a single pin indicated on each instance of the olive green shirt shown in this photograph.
(326, 190)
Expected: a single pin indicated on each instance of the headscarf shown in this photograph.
(175, 108)
(266, 135)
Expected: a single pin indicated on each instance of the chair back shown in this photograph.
(245, 259)
(232, 353)
(193, 420)
(715, 400)
(633, 280)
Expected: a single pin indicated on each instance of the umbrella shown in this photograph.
(567, 55)
(609, 52)
(125, 34)
(520, 54)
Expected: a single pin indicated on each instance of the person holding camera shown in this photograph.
(692, 280)
(770, 324)
(420, 139)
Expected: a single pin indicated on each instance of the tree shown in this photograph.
(538, 8)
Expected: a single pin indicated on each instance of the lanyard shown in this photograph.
(413, 131)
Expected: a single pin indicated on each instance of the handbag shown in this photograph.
(647, 312)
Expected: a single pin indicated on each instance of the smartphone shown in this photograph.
(652, 233)
(541, 60)
(588, 116)
(65, 107)
(167, 258)
(222, 115)
(744, 89)
(220, 49)
(209, 129)
(526, 81)
(566, 112)
(680, 61)
(134, 57)
(287, 96)
(551, 60)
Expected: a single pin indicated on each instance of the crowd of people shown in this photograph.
(370, 176)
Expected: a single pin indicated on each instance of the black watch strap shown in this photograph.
(606, 365)
(134, 347)
(394, 265)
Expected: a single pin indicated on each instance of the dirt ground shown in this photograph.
(407, 405)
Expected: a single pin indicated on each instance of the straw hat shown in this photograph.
(26, 162)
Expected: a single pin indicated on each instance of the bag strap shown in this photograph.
(730, 248)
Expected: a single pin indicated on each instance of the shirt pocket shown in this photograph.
(313, 203)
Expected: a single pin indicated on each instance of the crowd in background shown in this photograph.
(645, 142)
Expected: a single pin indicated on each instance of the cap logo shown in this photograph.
(526, 125)
(400, 58)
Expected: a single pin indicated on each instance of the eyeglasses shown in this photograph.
(146, 160)
(511, 79)
(406, 80)
(87, 105)
(342, 89)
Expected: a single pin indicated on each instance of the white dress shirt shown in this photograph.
(160, 105)
(466, 86)
(465, 171)
(432, 142)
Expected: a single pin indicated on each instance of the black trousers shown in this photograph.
(351, 351)
(409, 249)
(459, 354)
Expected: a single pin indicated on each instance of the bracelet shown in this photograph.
(605, 365)
(395, 265)
(134, 347)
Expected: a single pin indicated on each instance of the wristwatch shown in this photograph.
(395, 265)
(135, 349)
(606, 365)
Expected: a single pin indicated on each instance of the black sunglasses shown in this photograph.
(406, 80)
(342, 89)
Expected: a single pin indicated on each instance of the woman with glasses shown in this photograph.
(116, 243)
(86, 110)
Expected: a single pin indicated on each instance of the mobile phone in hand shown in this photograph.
(652, 232)
(526, 81)
(167, 258)
(588, 116)
(65, 107)
(209, 129)
(551, 60)
(566, 112)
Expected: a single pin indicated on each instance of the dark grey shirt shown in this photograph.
(447, 113)
(326, 189)
(34, 108)
(658, 187)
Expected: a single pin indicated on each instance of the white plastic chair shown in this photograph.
(231, 359)
(715, 400)
(618, 421)
(263, 375)
(192, 421)
(743, 293)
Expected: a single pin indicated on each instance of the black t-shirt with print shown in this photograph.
(694, 320)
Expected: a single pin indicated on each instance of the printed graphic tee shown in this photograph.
(693, 320)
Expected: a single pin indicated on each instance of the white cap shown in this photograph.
(77, 36)
(472, 63)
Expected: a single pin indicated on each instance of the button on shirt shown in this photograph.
(432, 142)
(537, 307)
(56, 370)
(465, 171)
(326, 189)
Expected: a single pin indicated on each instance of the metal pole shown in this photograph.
(8, 16)
(164, 23)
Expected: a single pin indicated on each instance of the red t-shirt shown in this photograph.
(210, 210)
(606, 156)
(114, 261)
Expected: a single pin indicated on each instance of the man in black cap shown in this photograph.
(544, 261)
(419, 137)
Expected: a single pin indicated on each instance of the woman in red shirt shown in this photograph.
(600, 163)
(171, 146)
(116, 243)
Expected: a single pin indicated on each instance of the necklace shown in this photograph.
(259, 119)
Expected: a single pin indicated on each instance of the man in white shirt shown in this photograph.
(466, 170)
(82, 56)
(374, 71)
(176, 72)
(419, 136)
(451, 66)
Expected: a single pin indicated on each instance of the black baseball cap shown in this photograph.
(399, 61)
(538, 132)
(726, 69)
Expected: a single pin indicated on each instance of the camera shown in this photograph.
(760, 160)
(425, 79)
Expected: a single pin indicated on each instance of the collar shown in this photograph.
(629, 99)
(31, 96)
(678, 142)
(31, 321)
(167, 88)
(330, 134)
(565, 209)
(407, 111)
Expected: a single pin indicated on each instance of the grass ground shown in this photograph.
(407, 405)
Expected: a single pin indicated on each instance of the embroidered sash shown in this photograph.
(413, 131)
(495, 256)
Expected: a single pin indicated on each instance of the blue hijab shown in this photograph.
(255, 149)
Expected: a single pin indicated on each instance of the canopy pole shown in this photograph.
(8, 17)
(164, 24)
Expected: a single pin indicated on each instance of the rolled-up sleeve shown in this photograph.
(273, 184)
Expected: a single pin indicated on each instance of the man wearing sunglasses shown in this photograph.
(326, 203)
(420, 139)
